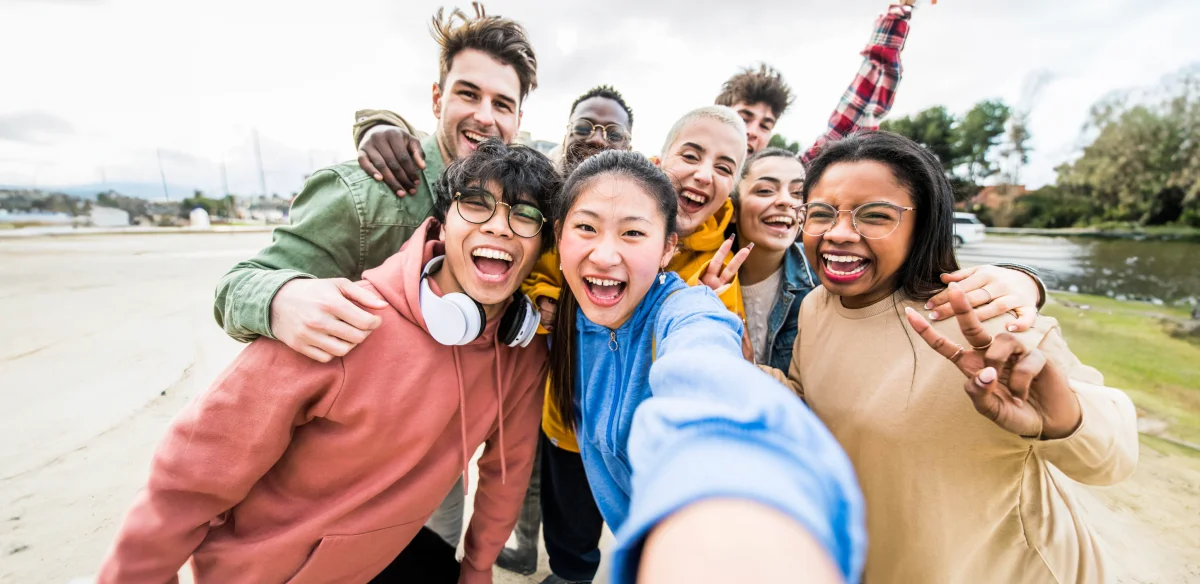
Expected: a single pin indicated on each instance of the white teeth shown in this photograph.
(494, 254)
(782, 220)
(840, 259)
(693, 197)
(850, 273)
(473, 136)
(601, 281)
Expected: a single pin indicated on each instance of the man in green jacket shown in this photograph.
(299, 289)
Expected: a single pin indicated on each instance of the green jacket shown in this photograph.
(342, 223)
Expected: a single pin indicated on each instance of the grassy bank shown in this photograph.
(1127, 342)
(1109, 231)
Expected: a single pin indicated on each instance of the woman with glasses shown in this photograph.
(960, 486)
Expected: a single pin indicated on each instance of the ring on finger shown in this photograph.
(957, 354)
(984, 346)
(990, 297)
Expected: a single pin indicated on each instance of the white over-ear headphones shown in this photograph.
(457, 319)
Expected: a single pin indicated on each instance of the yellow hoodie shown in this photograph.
(692, 257)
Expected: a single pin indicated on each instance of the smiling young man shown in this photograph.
(290, 469)
(299, 289)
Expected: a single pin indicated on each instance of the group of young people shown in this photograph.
(588, 321)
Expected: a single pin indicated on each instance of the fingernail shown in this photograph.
(1012, 328)
(412, 191)
(933, 315)
(928, 305)
(400, 192)
(987, 376)
(751, 246)
(954, 285)
(379, 177)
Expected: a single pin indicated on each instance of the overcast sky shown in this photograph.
(93, 88)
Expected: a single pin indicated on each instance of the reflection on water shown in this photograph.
(1154, 271)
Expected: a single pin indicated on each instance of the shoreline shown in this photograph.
(1158, 233)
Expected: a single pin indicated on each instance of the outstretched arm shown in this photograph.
(870, 96)
(718, 428)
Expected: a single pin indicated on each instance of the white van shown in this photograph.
(967, 229)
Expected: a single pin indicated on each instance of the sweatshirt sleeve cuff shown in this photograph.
(748, 472)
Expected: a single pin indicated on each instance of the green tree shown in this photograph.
(1144, 164)
(932, 128)
(778, 141)
(965, 146)
(976, 135)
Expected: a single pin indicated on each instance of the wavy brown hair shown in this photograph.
(502, 38)
(763, 84)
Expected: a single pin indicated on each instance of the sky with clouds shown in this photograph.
(101, 89)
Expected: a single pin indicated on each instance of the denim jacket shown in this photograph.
(782, 324)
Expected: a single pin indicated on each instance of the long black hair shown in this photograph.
(654, 183)
(918, 171)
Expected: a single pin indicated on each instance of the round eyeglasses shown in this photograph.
(612, 133)
(479, 206)
(872, 220)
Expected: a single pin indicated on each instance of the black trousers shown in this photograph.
(428, 559)
(570, 519)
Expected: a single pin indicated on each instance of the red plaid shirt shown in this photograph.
(870, 96)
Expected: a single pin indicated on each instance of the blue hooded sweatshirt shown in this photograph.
(668, 409)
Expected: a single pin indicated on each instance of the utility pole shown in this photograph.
(163, 175)
(262, 177)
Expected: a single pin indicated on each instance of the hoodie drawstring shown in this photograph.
(462, 417)
(500, 412)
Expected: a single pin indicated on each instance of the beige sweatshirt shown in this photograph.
(951, 497)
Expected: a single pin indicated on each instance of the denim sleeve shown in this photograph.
(716, 426)
(322, 240)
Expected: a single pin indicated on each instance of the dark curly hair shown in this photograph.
(658, 186)
(522, 172)
(762, 85)
(607, 92)
(502, 38)
(918, 171)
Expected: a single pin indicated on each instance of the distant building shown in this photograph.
(199, 218)
(543, 146)
(108, 217)
(997, 196)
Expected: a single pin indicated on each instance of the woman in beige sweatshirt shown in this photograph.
(961, 486)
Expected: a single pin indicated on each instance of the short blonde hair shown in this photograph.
(719, 113)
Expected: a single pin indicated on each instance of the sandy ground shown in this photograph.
(104, 339)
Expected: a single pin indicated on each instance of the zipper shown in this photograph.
(616, 389)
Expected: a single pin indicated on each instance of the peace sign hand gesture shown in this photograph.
(719, 276)
(1018, 389)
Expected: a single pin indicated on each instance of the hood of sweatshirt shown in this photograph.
(398, 281)
(711, 233)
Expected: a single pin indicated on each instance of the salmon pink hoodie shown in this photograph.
(290, 470)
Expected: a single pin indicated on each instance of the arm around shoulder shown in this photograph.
(322, 240)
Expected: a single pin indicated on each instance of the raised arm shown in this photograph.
(717, 427)
(323, 240)
(870, 96)
(502, 484)
(389, 149)
(213, 453)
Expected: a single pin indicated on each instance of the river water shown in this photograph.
(1125, 269)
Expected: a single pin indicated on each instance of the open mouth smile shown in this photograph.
(604, 292)
(843, 268)
(491, 264)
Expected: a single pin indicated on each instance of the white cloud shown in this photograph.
(128, 77)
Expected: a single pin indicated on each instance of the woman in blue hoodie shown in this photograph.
(652, 377)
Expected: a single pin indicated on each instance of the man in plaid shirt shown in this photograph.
(760, 96)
